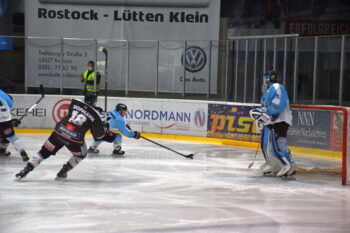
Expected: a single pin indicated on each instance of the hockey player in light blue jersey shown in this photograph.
(117, 121)
(7, 133)
(276, 116)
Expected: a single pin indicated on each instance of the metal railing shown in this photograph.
(314, 70)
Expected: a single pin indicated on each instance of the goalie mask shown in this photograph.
(260, 116)
(269, 76)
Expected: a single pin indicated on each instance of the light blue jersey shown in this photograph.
(276, 100)
(6, 104)
(118, 122)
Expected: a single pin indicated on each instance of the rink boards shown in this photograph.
(313, 132)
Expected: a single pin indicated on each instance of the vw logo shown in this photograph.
(196, 59)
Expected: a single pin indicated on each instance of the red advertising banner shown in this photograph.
(336, 141)
(317, 27)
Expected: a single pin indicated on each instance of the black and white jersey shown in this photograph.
(81, 118)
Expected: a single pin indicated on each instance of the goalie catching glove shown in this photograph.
(261, 116)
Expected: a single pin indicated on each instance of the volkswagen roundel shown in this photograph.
(196, 59)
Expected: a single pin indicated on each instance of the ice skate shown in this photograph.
(28, 168)
(262, 166)
(118, 152)
(24, 156)
(3, 152)
(63, 173)
(289, 177)
(93, 150)
(290, 174)
(267, 169)
(286, 169)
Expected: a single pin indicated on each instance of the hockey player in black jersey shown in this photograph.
(70, 132)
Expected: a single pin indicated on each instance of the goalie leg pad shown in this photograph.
(265, 140)
(282, 145)
(275, 149)
(273, 164)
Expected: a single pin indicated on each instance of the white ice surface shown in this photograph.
(155, 190)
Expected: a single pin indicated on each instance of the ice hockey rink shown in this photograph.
(154, 190)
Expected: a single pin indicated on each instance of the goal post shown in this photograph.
(324, 130)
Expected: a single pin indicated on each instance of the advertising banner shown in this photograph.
(336, 127)
(311, 129)
(317, 27)
(152, 116)
(144, 40)
(231, 122)
(42, 115)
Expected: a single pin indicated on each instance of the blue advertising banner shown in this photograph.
(311, 129)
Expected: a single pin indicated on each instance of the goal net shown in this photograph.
(322, 131)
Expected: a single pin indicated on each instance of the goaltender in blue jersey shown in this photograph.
(274, 118)
(7, 124)
(116, 121)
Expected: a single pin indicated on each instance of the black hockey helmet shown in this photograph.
(121, 107)
(90, 98)
(270, 76)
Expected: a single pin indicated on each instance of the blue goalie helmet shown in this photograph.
(270, 76)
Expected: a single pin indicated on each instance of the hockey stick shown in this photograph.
(105, 52)
(190, 156)
(256, 152)
(34, 105)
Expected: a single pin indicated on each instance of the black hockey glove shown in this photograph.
(106, 125)
(137, 135)
(99, 109)
(128, 126)
(15, 122)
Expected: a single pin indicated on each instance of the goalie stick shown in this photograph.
(41, 88)
(189, 156)
(256, 152)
